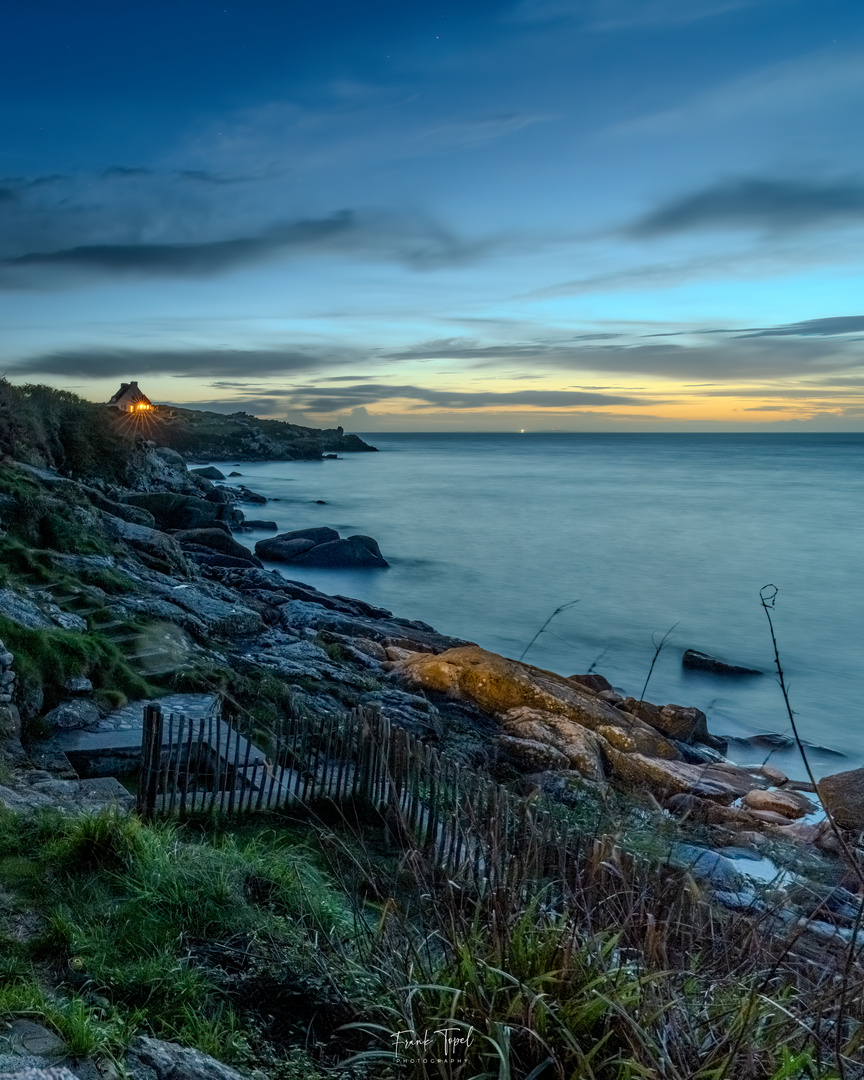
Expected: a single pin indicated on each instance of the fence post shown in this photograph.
(151, 755)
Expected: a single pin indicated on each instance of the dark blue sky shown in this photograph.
(593, 214)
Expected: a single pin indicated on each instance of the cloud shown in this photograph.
(482, 129)
(842, 324)
(124, 172)
(416, 243)
(102, 363)
(775, 205)
(332, 399)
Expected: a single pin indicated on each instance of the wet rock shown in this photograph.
(788, 803)
(251, 496)
(341, 554)
(217, 540)
(235, 473)
(776, 777)
(699, 661)
(69, 715)
(254, 523)
(676, 721)
(272, 547)
(497, 685)
(153, 1059)
(210, 472)
(285, 550)
(771, 740)
(592, 681)
(843, 796)
(410, 711)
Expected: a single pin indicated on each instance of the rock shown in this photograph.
(676, 721)
(409, 711)
(176, 511)
(10, 722)
(68, 715)
(217, 540)
(706, 812)
(208, 557)
(788, 803)
(219, 616)
(706, 865)
(593, 682)
(341, 554)
(37, 1072)
(151, 543)
(271, 548)
(581, 748)
(666, 778)
(20, 610)
(843, 797)
(367, 542)
(235, 473)
(78, 685)
(153, 1059)
(251, 496)
(497, 685)
(254, 523)
(699, 661)
(285, 550)
(532, 755)
(171, 457)
(210, 472)
(776, 777)
(771, 740)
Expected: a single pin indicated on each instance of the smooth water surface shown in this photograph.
(487, 534)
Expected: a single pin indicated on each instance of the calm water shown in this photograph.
(487, 534)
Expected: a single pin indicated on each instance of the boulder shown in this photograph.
(176, 511)
(78, 686)
(592, 681)
(581, 748)
(532, 755)
(171, 457)
(274, 547)
(843, 797)
(341, 554)
(676, 721)
(283, 550)
(153, 1059)
(790, 804)
(219, 616)
(251, 496)
(699, 661)
(217, 540)
(210, 472)
(10, 722)
(666, 778)
(69, 715)
(153, 544)
(497, 685)
(254, 523)
(20, 610)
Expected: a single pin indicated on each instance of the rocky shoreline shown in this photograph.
(196, 600)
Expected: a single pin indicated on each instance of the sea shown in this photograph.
(635, 540)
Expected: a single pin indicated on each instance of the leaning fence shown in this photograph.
(469, 825)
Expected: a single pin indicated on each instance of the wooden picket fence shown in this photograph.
(469, 825)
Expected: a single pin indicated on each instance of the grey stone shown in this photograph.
(219, 616)
(707, 865)
(78, 684)
(67, 620)
(387, 631)
(77, 713)
(40, 1072)
(151, 542)
(254, 523)
(24, 612)
(209, 472)
(153, 1059)
(341, 554)
(699, 661)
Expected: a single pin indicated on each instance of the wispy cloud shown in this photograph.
(416, 243)
(765, 204)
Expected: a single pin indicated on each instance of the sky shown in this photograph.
(576, 215)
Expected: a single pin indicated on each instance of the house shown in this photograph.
(130, 399)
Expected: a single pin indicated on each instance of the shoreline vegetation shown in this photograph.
(711, 927)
